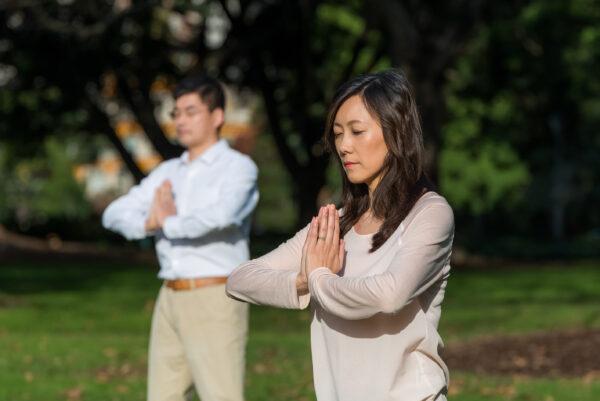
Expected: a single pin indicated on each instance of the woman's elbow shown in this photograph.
(235, 280)
(232, 283)
(392, 305)
(232, 289)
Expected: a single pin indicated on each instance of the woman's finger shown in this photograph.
(341, 254)
(322, 226)
(336, 225)
(312, 234)
(335, 248)
(329, 240)
(310, 230)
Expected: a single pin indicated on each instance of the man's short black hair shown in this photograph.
(209, 89)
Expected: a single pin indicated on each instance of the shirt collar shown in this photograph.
(209, 155)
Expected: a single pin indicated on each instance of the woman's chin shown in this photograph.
(354, 179)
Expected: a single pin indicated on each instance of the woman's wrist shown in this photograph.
(301, 284)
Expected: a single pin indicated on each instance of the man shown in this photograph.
(198, 208)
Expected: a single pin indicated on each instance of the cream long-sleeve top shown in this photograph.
(374, 325)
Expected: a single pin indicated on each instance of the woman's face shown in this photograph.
(359, 142)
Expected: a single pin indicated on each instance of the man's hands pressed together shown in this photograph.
(163, 206)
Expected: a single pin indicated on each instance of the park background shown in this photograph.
(510, 99)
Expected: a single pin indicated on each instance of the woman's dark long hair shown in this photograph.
(388, 97)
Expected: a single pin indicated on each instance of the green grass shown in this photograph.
(80, 332)
(520, 299)
(468, 387)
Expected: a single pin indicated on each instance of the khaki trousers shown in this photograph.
(198, 339)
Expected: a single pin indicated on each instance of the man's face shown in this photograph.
(195, 124)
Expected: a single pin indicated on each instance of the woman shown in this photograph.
(377, 292)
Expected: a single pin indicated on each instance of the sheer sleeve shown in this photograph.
(424, 250)
(271, 279)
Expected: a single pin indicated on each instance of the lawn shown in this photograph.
(79, 331)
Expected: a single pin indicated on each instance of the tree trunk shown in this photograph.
(101, 121)
(143, 109)
(307, 187)
(560, 177)
(432, 109)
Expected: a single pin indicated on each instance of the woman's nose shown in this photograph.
(344, 144)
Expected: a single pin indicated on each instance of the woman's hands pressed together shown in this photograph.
(323, 246)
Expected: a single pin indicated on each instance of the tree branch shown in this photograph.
(83, 33)
(101, 120)
(306, 14)
(392, 18)
(356, 49)
(227, 12)
(379, 53)
(144, 113)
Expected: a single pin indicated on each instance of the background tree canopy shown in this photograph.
(508, 95)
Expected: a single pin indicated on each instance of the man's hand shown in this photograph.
(151, 223)
(163, 206)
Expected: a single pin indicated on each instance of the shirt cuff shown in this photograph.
(171, 227)
(315, 275)
(301, 300)
(137, 229)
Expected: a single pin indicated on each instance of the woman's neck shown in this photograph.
(372, 186)
(368, 223)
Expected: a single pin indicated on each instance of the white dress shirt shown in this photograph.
(215, 195)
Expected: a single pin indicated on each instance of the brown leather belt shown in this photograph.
(192, 283)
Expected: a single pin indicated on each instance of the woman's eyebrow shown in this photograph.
(351, 122)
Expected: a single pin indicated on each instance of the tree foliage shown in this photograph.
(507, 91)
(522, 141)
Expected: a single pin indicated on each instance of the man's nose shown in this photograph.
(179, 121)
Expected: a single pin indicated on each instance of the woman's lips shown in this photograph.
(349, 164)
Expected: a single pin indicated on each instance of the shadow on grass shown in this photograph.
(18, 278)
(36, 272)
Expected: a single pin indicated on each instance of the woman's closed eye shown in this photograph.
(357, 132)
